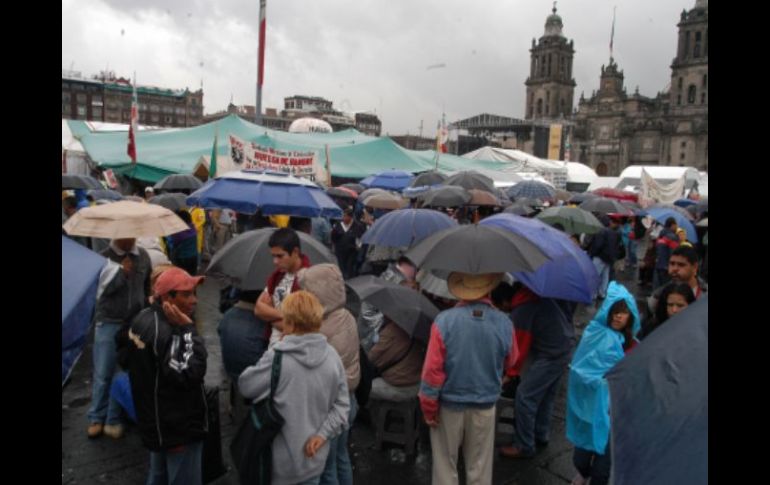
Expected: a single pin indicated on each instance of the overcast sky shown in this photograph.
(405, 60)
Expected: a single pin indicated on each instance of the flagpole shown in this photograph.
(328, 168)
(261, 59)
(133, 128)
(612, 34)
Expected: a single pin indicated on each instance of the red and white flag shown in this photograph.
(442, 136)
(133, 127)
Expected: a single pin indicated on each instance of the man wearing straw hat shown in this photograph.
(470, 347)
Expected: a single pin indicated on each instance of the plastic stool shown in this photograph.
(387, 429)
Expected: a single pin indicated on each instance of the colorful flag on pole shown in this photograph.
(133, 127)
(213, 161)
(442, 136)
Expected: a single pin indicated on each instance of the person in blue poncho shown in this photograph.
(609, 336)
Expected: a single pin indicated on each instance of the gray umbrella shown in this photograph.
(79, 182)
(247, 261)
(179, 181)
(407, 308)
(428, 178)
(447, 196)
(471, 179)
(606, 206)
(370, 192)
(477, 249)
(519, 210)
(659, 401)
(172, 202)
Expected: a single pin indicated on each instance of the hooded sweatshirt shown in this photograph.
(339, 326)
(588, 397)
(311, 395)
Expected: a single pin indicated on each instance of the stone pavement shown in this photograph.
(125, 461)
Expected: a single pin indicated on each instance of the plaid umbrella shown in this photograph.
(532, 189)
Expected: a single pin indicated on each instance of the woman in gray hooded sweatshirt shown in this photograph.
(311, 395)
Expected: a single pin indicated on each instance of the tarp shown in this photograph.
(553, 171)
(79, 280)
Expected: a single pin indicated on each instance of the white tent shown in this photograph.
(603, 182)
(551, 171)
(580, 173)
(72, 152)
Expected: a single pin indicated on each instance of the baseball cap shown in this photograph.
(149, 189)
(175, 279)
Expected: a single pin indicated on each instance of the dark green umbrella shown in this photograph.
(477, 249)
(573, 219)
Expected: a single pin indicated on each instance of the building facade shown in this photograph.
(614, 130)
(108, 98)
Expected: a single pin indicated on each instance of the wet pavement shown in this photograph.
(125, 461)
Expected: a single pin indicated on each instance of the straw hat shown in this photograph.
(473, 286)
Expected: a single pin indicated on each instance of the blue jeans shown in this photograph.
(603, 269)
(534, 401)
(178, 467)
(103, 408)
(338, 469)
(593, 465)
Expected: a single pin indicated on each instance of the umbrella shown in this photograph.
(342, 192)
(415, 192)
(477, 249)
(80, 269)
(124, 219)
(249, 191)
(385, 201)
(389, 179)
(446, 196)
(247, 261)
(617, 194)
(370, 192)
(633, 206)
(407, 308)
(179, 181)
(606, 206)
(434, 285)
(428, 178)
(685, 203)
(482, 197)
(676, 208)
(105, 194)
(357, 187)
(505, 201)
(406, 227)
(703, 222)
(582, 197)
(79, 182)
(519, 210)
(532, 189)
(171, 201)
(470, 179)
(659, 401)
(563, 195)
(660, 214)
(574, 220)
(569, 275)
(528, 201)
(134, 198)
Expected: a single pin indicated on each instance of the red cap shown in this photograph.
(175, 279)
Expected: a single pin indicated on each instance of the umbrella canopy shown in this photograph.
(428, 178)
(406, 227)
(105, 194)
(569, 275)
(79, 182)
(246, 259)
(528, 201)
(617, 194)
(574, 219)
(687, 214)
(532, 189)
(248, 191)
(80, 269)
(519, 210)
(357, 187)
(389, 179)
(563, 195)
(179, 181)
(407, 308)
(415, 192)
(660, 214)
(703, 222)
(342, 192)
(446, 196)
(124, 219)
(370, 192)
(582, 197)
(477, 249)
(482, 197)
(385, 201)
(470, 179)
(606, 206)
(172, 201)
(685, 202)
(659, 401)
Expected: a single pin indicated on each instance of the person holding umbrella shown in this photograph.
(470, 347)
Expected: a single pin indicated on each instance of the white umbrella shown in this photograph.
(124, 219)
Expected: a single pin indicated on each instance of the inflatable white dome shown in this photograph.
(310, 125)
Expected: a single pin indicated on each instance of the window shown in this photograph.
(696, 50)
(684, 144)
(65, 98)
(539, 107)
(97, 101)
(549, 64)
(703, 97)
(686, 45)
(679, 100)
(154, 108)
(65, 85)
(81, 97)
(691, 94)
(680, 83)
(167, 119)
(705, 80)
(681, 156)
(81, 110)
(96, 113)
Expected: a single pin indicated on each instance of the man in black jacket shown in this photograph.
(346, 238)
(166, 360)
(603, 251)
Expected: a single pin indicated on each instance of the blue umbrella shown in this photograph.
(659, 401)
(685, 202)
(389, 179)
(406, 227)
(531, 189)
(570, 275)
(248, 191)
(660, 214)
(80, 269)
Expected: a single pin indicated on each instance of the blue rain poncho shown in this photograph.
(588, 399)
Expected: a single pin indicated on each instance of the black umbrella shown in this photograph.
(357, 187)
(79, 182)
(407, 308)
(105, 194)
(582, 197)
(428, 178)
(174, 201)
(606, 206)
(471, 179)
(519, 210)
(179, 181)
(659, 401)
(247, 261)
(447, 196)
(477, 249)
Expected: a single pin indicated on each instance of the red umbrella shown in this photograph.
(343, 192)
(617, 194)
